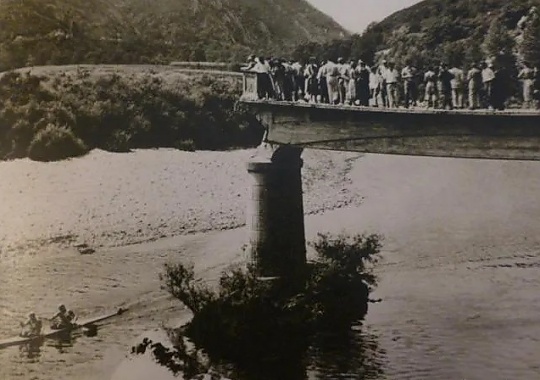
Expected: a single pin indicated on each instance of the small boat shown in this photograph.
(51, 333)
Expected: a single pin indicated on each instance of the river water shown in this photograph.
(459, 279)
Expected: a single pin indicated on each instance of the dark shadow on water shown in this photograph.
(349, 354)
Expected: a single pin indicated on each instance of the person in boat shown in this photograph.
(32, 326)
(62, 318)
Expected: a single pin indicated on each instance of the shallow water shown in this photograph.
(459, 279)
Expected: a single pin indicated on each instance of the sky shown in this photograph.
(355, 15)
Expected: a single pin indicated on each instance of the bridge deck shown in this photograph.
(401, 110)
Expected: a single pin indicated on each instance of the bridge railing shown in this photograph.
(250, 86)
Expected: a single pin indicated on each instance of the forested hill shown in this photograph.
(434, 30)
(38, 32)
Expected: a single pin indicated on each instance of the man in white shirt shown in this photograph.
(526, 75)
(391, 77)
(331, 73)
(381, 71)
(488, 76)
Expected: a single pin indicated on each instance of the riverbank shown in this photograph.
(107, 199)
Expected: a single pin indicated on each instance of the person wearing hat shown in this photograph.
(31, 327)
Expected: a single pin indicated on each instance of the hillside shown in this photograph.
(39, 32)
(430, 31)
(449, 29)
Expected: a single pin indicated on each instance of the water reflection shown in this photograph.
(31, 351)
(352, 354)
(62, 341)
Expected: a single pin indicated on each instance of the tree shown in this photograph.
(530, 47)
(498, 40)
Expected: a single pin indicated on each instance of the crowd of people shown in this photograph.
(353, 82)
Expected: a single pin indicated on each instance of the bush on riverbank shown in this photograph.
(51, 119)
(253, 322)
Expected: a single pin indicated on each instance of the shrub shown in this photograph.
(55, 143)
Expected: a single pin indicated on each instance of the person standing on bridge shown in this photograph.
(474, 79)
(278, 74)
(264, 83)
(363, 83)
(343, 80)
(375, 83)
(332, 74)
(526, 75)
(381, 72)
(298, 80)
(430, 79)
(351, 95)
(488, 78)
(408, 75)
(323, 83)
(457, 83)
(311, 82)
(391, 78)
(445, 87)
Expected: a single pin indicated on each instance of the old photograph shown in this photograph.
(269, 189)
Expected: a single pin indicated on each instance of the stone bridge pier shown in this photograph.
(275, 215)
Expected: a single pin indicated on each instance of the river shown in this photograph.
(459, 279)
